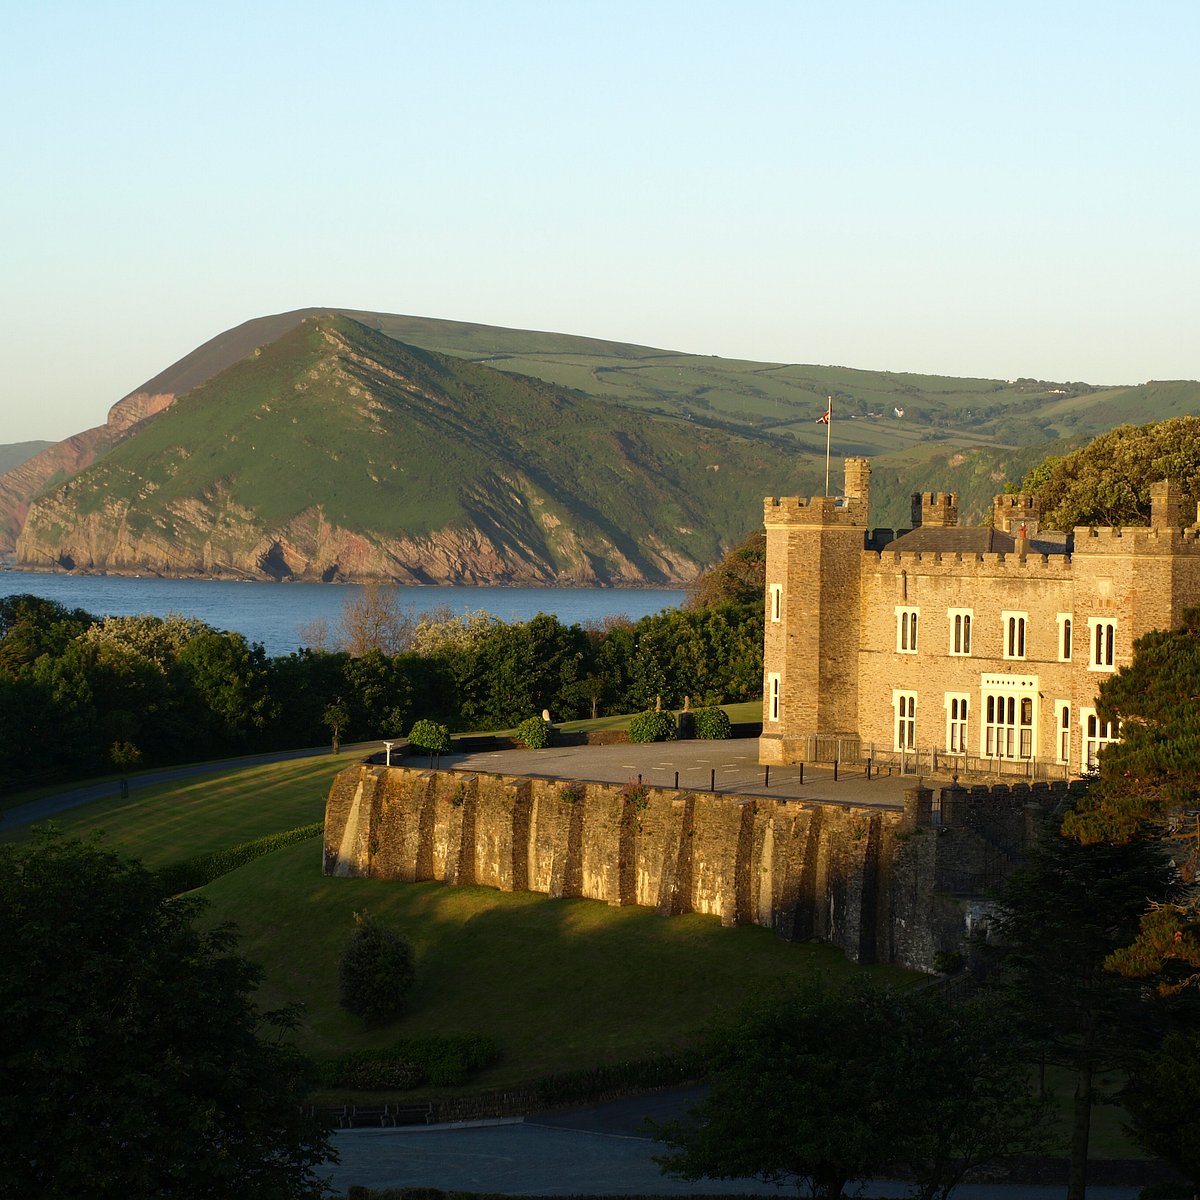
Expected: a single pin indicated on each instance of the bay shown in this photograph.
(273, 613)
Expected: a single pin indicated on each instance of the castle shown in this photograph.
(945, 648)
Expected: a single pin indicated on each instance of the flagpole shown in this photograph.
(828, 433)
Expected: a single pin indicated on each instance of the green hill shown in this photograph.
(335, 451)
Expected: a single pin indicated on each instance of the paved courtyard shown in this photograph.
(726, 766)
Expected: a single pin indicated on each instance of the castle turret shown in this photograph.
(935, 510)
(1010, 513)
(1166, 504)
(810, 649)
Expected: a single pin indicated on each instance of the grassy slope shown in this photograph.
(395, 440)
(561, 984)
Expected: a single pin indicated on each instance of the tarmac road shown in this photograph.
(604, 1150)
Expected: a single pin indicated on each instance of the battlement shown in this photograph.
(1012, 513)
(935, 510)
(965, 564)
(814, 510)
(1138, 539)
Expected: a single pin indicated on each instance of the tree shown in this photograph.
(134, 1063)
(336, 718)
(1058, 919)
(373, 619)
(1107, 482)
(1161, 1102)
(739, 578)
(1147, 788)
(906, 1081)
(376, 971)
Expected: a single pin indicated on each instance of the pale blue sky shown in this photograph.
(992, 189)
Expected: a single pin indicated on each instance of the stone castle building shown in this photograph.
(953, 648)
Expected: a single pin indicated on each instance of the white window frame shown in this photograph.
(961, 620)
(1102, 643)
(958, 721)
(1062, 731)
(777, 602)
(904, 719)
(1095, 735)
(774, 703)
(907, 628)
(1066, 635)
(1014, 633)
(1008, 716)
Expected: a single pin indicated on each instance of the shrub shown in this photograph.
(430, 737)
(712, 724)
(533, 734)
(652, 726)
(376, 971)
(204, 868)
(438, 1061)
(636, 795)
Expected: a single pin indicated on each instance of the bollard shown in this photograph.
(677, 781)
(639, 779)
(712, 780)
(801, 772)
(868, 768)
(835, 765)
(766, 777)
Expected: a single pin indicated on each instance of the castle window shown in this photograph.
(906, 630)
(1014, 634)
(1064, 637)
(1008, 720)
(960, 630)
(956, 722)
(905, 705)
(773, 696)
(1062, 721)
(777, 602)
(1102, 635)
(1097, 734)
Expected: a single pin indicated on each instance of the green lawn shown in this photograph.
(173, 821)
(560, 983)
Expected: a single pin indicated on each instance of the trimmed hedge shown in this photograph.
(436, 1061)
(204, 868)
(652, 726)
(712, 724)
(533, 734)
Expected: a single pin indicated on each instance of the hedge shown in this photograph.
(204, 868)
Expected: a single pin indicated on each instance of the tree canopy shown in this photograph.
(814, 1088)
(1107, 482)
(134, 1063)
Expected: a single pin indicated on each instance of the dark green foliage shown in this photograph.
(711, 724)
(133, 1061)
(532, 734)
(376, 971)
(413, 1062)
(739, 578)
(813, 1088)
(1147, 788)
(195, 872)
(1107, 482)
(1161, 1103)
(430, 737)
(1058, 919)
(651, 726)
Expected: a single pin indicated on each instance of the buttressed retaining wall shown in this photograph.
(805, 869)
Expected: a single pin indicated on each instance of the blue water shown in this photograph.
(272, 613)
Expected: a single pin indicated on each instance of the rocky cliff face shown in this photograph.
(19, 486)
(221, 539)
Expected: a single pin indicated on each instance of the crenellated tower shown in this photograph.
(810, 649)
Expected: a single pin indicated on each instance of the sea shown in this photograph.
(274, 613)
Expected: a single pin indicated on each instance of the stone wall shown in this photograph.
(883, 885)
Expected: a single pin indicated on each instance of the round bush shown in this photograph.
(712, 724)
(429, 737)
(651, 726)
(376, 972)
(533, 734)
